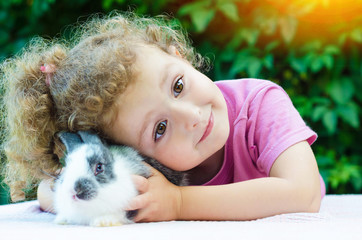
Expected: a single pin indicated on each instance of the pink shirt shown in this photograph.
(263, 123)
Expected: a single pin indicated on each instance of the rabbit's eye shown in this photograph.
(99, 169)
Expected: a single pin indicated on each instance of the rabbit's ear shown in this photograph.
(70, 140)
(90, 137)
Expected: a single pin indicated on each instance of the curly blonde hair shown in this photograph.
(92, 69)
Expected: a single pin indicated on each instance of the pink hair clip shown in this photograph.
(48, 69)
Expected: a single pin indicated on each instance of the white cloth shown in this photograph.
(340, 217)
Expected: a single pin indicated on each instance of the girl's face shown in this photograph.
(171, 112)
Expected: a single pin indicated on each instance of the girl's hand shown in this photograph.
(159, 200)
(45, 195)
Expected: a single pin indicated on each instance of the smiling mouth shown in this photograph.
(209, 127)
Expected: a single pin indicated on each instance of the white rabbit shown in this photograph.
(96, 184)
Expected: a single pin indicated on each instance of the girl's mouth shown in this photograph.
(209, 127)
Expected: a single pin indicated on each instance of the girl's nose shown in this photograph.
(187, 115)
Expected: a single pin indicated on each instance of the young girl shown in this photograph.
(135, 81)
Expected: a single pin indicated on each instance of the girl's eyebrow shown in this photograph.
(141, 134)
(165, 74)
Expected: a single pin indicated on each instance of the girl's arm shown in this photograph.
(293, 186)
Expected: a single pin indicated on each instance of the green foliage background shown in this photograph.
(311, 48)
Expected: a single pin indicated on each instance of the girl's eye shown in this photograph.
(178, 87)
(98, 169)
(160, 130)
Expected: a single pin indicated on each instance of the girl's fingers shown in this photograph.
(46, 195)
(154, 171)
(138, 202)
(140, 216)
(141, 183)
(143, 215)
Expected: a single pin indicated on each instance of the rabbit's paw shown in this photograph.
(106, 221)
(60, 220)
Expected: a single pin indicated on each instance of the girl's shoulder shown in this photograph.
(245, 90)
(245, 84)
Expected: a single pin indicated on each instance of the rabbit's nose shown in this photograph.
(85, 189)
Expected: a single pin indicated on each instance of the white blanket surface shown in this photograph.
(340, 217)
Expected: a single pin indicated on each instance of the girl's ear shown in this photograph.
(173, 51)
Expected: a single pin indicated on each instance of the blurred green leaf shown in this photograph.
(332, 50)
(325, 161)
(4, 36)
(247, 60)
(312, 46)
(202, 18)
(316, 64)
(343, 172)
(229, 9)
(330, 121)
(250, 35)
(349, 113)
(288, 25)
(4, 193)
(298, 64)
(356, 35)
(193, 7)
(301, 7)
(200, 12)
(235, 41)
(265, 18)
(342, 38)
(268, 61)
(107, 4)
(356, 179)
(341, 90)
(271, 46)
(318, 112)
(240, 63)
(328, 61)
(228, 55)
(254, 67)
